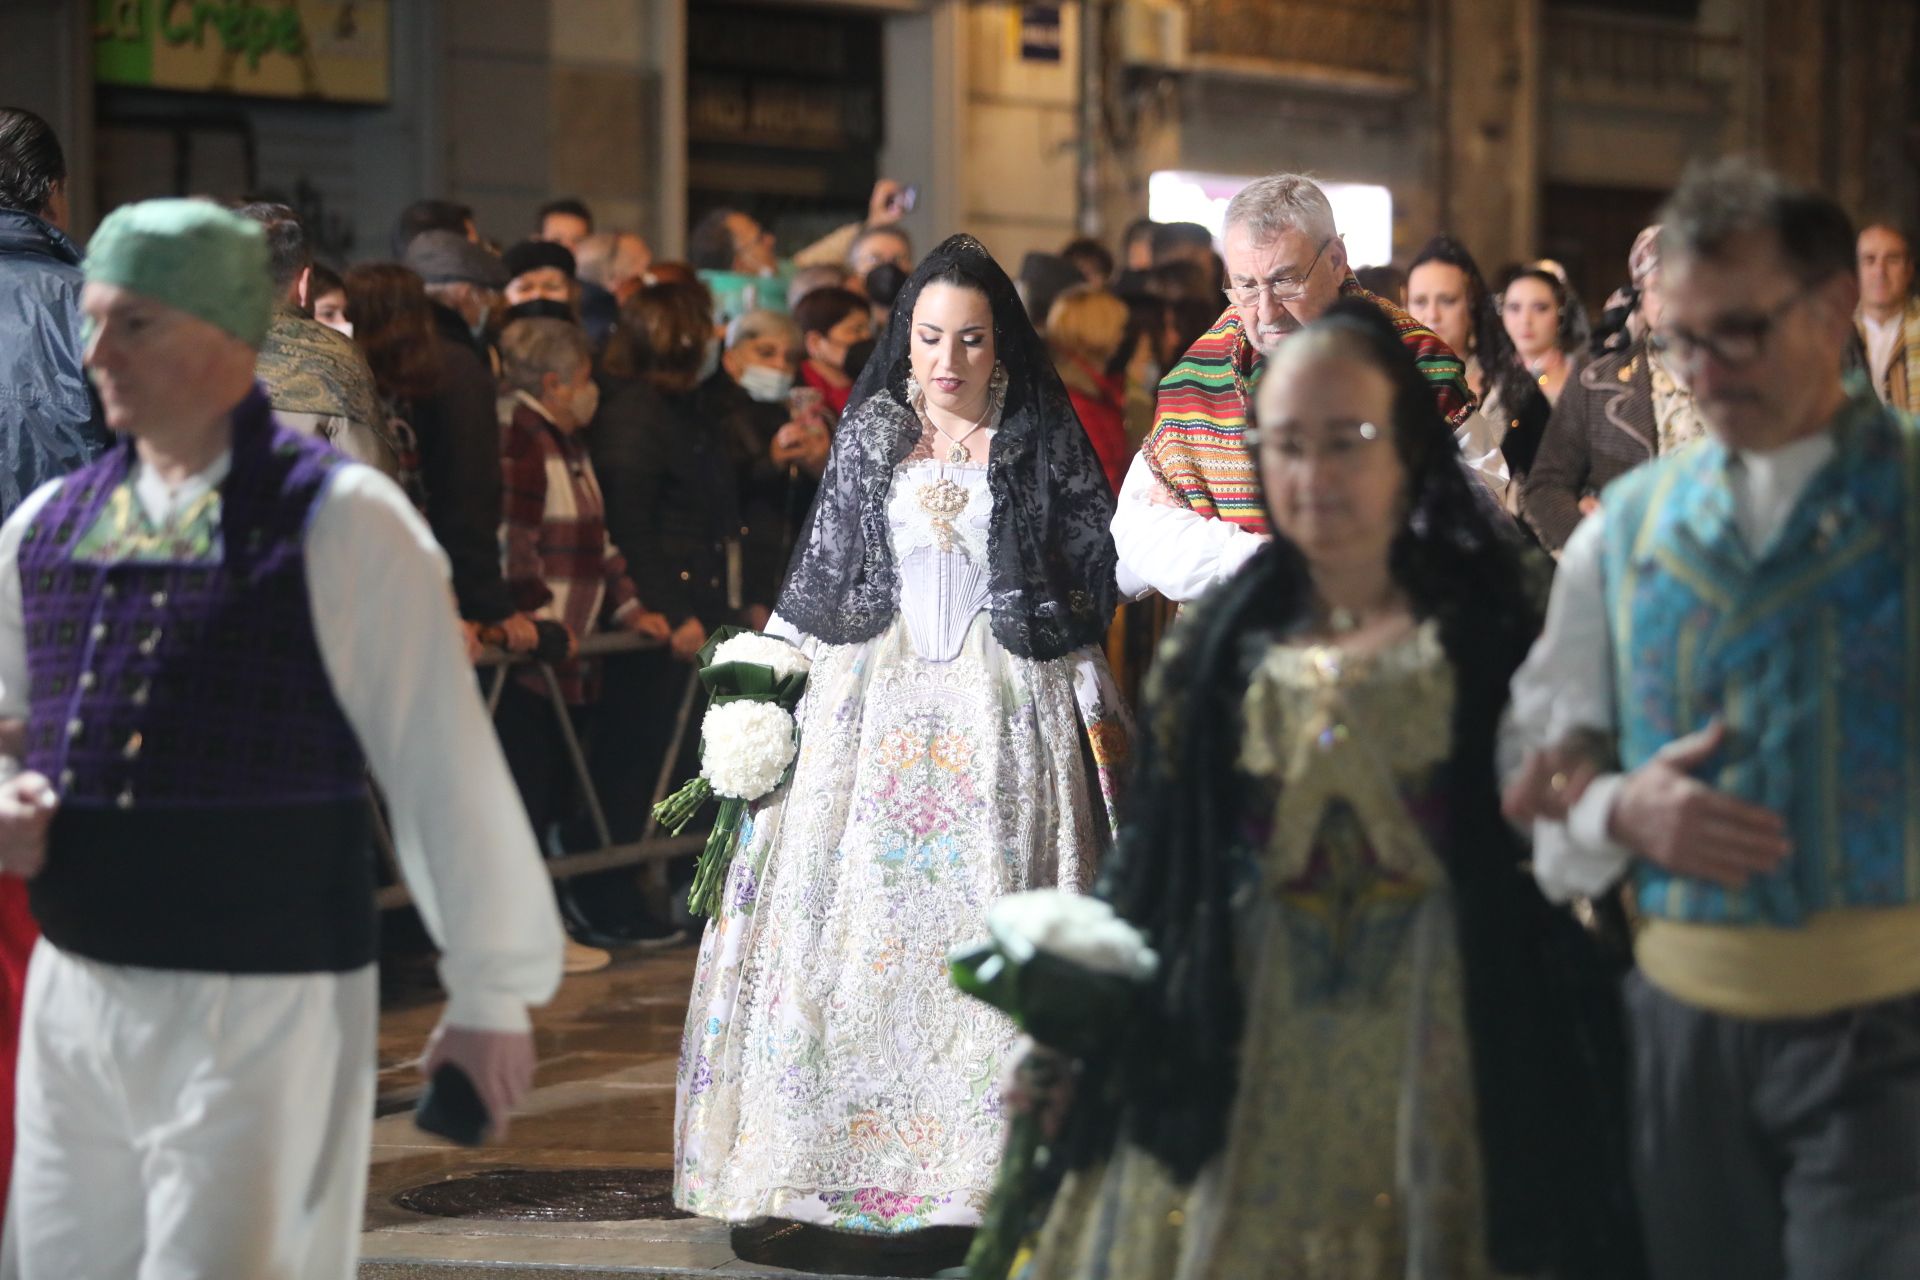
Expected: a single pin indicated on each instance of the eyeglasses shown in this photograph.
(1736, 341)
(1337, 442)
(1280, 288)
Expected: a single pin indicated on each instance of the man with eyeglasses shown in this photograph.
(1740, 624)
(1189, 513)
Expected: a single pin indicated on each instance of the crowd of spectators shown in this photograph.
(602, 441)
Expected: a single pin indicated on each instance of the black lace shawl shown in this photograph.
(1050, 548)
(1542, 1001)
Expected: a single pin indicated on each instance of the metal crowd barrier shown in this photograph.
(651, 849)
(1135, 634)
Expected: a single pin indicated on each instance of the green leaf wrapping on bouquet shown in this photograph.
(1061, 1004)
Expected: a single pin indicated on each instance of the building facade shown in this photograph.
(1525, 127)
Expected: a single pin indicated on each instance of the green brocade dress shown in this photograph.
(1352, 1152)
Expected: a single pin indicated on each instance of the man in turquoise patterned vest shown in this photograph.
(1743, 618)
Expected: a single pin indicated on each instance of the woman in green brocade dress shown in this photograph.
(1373, 1049)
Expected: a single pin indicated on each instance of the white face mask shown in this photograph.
(586, 403)
(765, 383)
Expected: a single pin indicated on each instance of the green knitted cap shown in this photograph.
(192, 255)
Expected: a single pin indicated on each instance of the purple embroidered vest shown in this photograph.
(213, 797)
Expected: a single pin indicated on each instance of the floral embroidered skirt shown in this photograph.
(830, 1072)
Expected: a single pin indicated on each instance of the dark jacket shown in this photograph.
(50, 420)
(774, 500)
(458, 433)
(672, 501)
(1602, 427)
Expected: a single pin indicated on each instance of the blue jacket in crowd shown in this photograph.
(50, 419)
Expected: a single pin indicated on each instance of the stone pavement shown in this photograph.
(589, 1153)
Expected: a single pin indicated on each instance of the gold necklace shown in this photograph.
(958, 454)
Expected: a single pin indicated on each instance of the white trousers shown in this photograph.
(190, 1126)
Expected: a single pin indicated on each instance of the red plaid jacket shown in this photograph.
(559, 564)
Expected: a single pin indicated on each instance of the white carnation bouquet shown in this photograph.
(748, 741)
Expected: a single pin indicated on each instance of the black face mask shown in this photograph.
(884, 284)
(538, 309)
(857, 356)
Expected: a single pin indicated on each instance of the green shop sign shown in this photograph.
(330, 50)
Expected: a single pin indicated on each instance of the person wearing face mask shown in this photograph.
(563, 569)
(960, 740)
(541, 269)
(1188, 515)
(778, 454)
(831, 321)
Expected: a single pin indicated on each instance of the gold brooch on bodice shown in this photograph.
(943, 500)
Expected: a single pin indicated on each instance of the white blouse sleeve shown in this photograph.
(384, 617)
(13, 623)
(1173, 550)
(1566, 684)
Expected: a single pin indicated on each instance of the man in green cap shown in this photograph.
(211, 632)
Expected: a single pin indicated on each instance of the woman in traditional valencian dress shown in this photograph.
(1372, 1049)
(957, 740)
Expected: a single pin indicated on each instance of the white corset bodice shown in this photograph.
(938, 515)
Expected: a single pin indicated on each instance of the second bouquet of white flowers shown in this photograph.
(748, 741)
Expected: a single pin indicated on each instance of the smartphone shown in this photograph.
(906, 198)
(807, 405)
(451, 1107)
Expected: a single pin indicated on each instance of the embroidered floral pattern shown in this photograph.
(830, 1072)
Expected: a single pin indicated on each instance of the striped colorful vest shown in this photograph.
(1810, 654)
(1195, 448)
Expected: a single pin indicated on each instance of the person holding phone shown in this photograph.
(779, 435)
(739, 261)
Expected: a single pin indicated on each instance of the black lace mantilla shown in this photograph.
(1050, 547)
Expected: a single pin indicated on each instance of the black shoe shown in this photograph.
(640, 929)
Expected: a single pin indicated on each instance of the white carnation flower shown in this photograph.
(748, 746)
(1073, 927)
(765, 651)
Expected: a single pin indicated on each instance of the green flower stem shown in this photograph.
(678, 809)
(715, 860)
(1004, 1224)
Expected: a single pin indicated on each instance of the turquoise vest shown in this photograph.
(1810, 654)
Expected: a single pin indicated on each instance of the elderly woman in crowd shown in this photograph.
(561, 567)
(779, 442)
